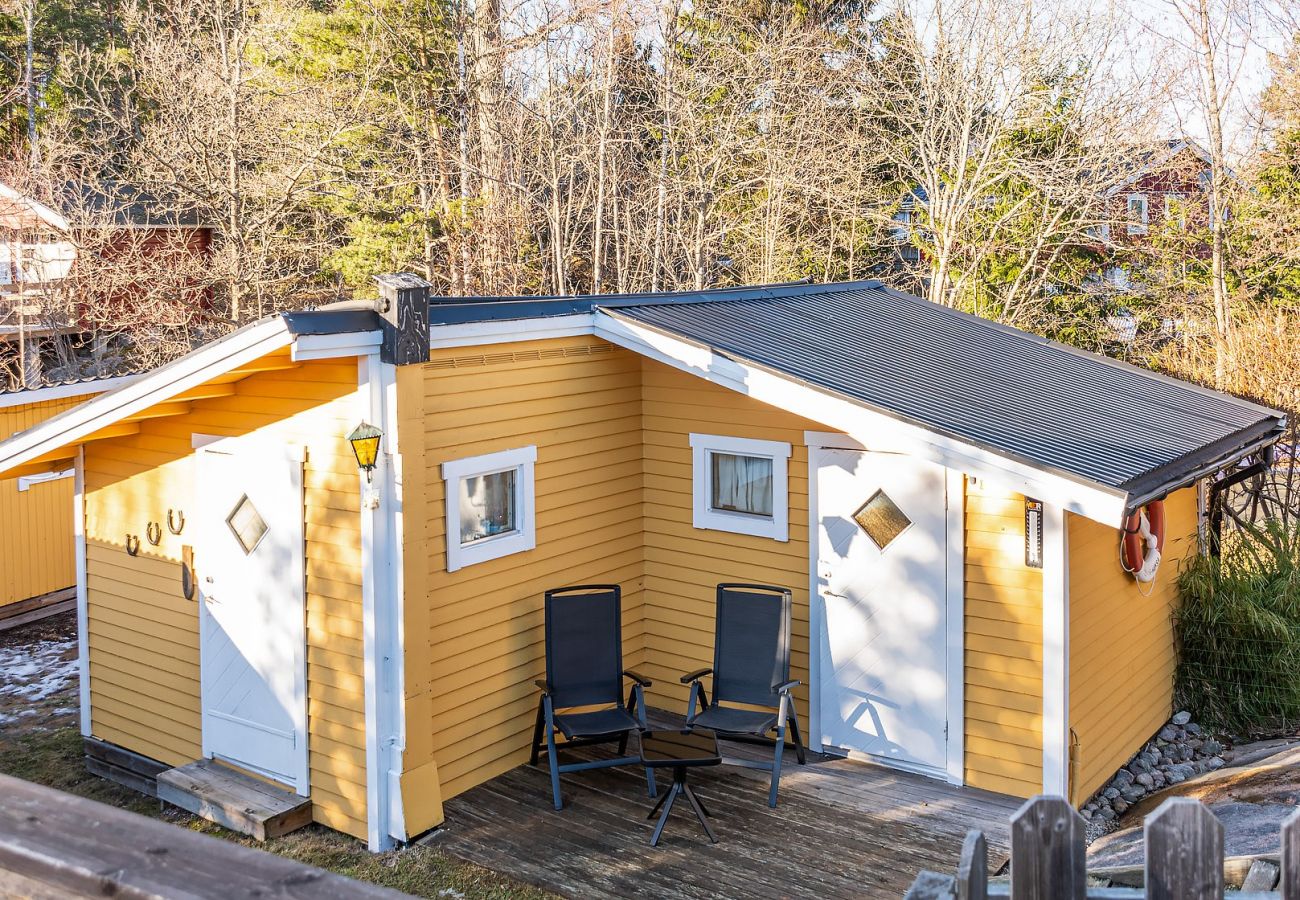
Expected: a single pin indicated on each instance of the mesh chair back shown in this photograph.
(584, 644)
(751, 649)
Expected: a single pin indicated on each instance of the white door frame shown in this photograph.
(292, 453)
(954, 603)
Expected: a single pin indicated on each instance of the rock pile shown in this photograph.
(1180, 751)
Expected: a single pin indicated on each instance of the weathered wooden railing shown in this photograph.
(1183, 843)
(53, 844)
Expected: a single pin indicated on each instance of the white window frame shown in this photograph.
(522, 461)
(25, 482)
(1176, 210)
(1139, 225)
(777, 527)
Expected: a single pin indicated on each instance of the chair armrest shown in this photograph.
(785, 686)
(544, 685)
(696, 675)
(637, 677)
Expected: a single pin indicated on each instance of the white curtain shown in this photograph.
(742, 484)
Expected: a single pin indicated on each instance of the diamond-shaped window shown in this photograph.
(247, 524)
(881, 519)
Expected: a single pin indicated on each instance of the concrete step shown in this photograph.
(234, 800)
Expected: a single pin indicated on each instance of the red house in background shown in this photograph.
(40, 246)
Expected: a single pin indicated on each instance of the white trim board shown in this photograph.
(472, 334)
(333, 346)
(63, 391)
(83, 608)
(1056, 652)
(27, 482)
(1093, 501)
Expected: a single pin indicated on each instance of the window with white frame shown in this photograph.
(489, 506)
(741, 485)
(1137, 214)
(1176, 211)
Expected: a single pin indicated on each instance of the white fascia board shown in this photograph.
(43, 212)
(163, 383)
(870, 427)
(63, 391)
(471, 334)
(333, 346)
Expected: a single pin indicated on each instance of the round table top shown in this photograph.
(695, 747)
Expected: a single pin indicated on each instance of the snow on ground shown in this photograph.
(37, 679)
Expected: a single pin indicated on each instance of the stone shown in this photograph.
(1211, 747)
(1178, 773)
(1110, 793)
(1181, 718)
(1167, 734)
(1193, 729)
(1195, 743)
(1146, 780)
(1086, 814)
(1123, 778)
(1158, 778)
(1120, 807)
(1133, 793)
(1106, 813)
(1214, 763)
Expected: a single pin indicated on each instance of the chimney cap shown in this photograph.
(401, 281)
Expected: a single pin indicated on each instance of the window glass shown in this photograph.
(741, 484)
(487, 505)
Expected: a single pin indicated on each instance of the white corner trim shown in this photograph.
(473, 334)
(704, 516)
(866, 425)
(83, 607)
(25, 482)
(333, 346)
(231, 352)
(523, 460)
(64, 391)
(1056, 653)
(393, 632)
(955, 626)
(816, 616)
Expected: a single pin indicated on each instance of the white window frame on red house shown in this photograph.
(1138, 224)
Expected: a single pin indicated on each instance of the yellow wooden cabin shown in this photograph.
(990, 639)
(37, 563)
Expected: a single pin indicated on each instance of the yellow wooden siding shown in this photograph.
(474, 641)
(144, 634)
(683, 564)
(1004, 639)
(1122, 654)
(37, 550)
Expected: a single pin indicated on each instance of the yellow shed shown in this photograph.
(943, 496)
(38, 571)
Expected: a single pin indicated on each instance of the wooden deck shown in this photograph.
(842, 829)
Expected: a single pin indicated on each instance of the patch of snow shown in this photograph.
(36, 672)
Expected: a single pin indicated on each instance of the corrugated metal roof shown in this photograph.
(996, 387)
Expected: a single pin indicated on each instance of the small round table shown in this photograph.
(679, 751)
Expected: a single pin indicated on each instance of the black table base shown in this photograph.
(680, 789)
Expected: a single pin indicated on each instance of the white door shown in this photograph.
(252, 622)
(881, 681)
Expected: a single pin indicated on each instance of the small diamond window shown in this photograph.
(881, 519)
(247, 524)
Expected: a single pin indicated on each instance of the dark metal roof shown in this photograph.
(331, 321)
(1014, 393)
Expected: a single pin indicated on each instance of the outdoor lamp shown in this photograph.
(365, 444)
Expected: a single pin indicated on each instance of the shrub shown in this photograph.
(1238, 632)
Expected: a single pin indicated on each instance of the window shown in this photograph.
(489, 506)
(881, 519)
(740, 485)
(247, 525)
(1176, 211)
(1137, 213)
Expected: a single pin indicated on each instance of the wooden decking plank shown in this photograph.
(842, 829)
(234, 800)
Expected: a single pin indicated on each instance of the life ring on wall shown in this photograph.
(1144, 541)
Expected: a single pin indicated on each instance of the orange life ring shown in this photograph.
(1144, 541)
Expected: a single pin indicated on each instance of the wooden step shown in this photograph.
(234, 800)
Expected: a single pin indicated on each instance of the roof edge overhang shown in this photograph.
(874, 427)
(1215, 457)
(64, 391)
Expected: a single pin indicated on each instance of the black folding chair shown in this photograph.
(584, 669)
(751, 666)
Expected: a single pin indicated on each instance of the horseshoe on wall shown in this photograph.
(177, 526)
(153, 531)
(132, 545)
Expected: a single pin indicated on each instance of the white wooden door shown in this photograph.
(252, 622)
(881, 607)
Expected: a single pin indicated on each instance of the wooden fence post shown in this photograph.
(1290, 883)
(1047, 855)
(973, 868)
(1184, 852)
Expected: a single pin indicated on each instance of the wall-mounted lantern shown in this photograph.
(365, 444)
